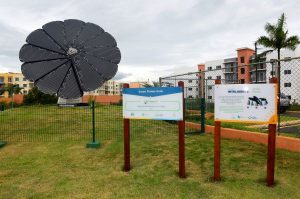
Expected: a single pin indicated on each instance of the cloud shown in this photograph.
(121, 75)
(155, 37)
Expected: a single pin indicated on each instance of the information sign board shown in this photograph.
(157, 103)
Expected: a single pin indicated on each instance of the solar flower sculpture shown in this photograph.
(68, 58)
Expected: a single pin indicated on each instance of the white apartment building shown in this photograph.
(16, 79)
(213, 72)
(289, 73)
(23, 83)
(110, 87)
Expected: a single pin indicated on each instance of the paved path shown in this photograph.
(291, 130)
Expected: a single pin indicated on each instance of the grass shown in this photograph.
(294, 107)
(66, 169)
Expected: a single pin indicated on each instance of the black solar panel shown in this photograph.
(69, 57)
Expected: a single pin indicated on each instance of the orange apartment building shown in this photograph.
(238, 69)
(243, 58)
(231, 73)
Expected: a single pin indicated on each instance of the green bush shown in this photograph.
(295, 107)
(35, 96)
(119, 103)
(3, 106)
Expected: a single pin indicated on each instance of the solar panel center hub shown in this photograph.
(72, 51)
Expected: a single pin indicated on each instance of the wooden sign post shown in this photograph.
(126, 140)
(217, 147)
(257, 101)
(175, 112)
(181, 131)
(271, 146)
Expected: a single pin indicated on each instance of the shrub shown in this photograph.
(35, 96)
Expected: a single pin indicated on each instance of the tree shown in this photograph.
(278, 39)
(35, 96)
(11, 89)
(154, 84)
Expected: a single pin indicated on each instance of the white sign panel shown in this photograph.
(253, 103)
(158, 103)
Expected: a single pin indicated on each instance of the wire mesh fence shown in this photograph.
(54, 123)
(201, 84)
(193, 92)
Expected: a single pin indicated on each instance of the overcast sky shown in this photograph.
(156, 37)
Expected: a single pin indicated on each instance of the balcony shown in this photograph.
(230, 70)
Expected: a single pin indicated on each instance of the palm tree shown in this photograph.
(277, 39)
(11, 89)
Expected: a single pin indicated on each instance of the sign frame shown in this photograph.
(154, 103)
(272, 119)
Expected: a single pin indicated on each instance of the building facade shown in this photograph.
(245, 69)
(110, 87)
(16, 79)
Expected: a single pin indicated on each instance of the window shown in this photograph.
(190, 89)
(9, 79)
(190, 81)
(209, 87)
(218, 67)
(1, 79)
(242, 70)
(209, 77)
(272, 73)
(209, 97)
(242, 60)
(190, 96)
(196, 89)
(287, 84)
(16, 79)
(25, 85)
(24, 79)
(209, 68)
(287, 72)
(25, 92)
(219, 77)
(242, 81)
(288, 96)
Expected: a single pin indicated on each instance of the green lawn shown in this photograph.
(242, 126)
(66, 169)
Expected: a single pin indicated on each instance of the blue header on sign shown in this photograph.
(152, 91)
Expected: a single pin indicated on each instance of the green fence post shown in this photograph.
(2, 144)
(202, 107)
(93, 144)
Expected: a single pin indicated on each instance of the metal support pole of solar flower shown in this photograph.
(93, 144)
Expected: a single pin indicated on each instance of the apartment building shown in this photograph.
(110, 87)
(243, 69)
(137, 84)
(16, 79)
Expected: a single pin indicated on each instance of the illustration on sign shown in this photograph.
(158, 103)
(250, 103)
